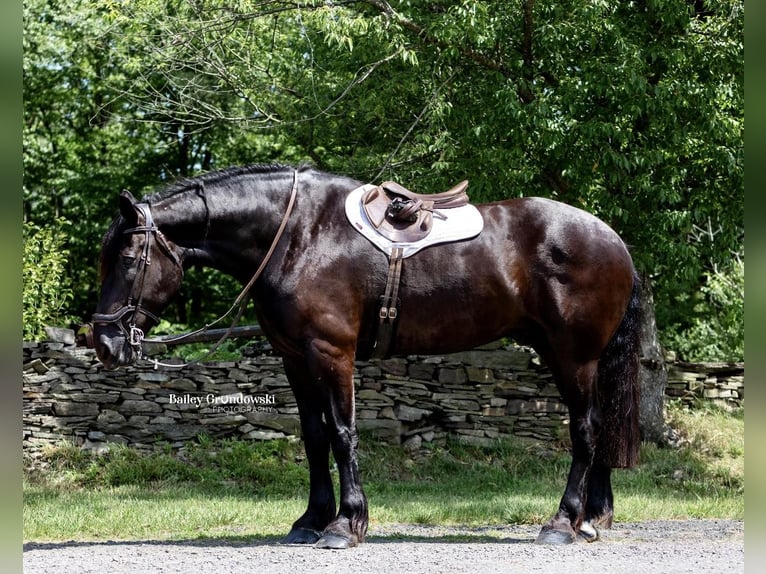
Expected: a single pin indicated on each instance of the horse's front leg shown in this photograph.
(578, 388)
(333, 369)
(321, 506)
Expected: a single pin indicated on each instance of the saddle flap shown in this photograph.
(375, 205)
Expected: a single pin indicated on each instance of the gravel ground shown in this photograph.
(660, 547)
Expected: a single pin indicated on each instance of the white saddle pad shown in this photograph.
(462, 223)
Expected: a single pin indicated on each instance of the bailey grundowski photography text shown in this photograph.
(236, 403)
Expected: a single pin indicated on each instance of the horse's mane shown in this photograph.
(110, 245)
(184, 184)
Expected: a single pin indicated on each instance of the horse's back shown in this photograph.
(538, 266)
(545, 222)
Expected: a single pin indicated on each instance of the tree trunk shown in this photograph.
(653, 374)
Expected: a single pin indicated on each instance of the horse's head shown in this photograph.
(141, 271)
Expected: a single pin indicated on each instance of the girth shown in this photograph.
(389, 305)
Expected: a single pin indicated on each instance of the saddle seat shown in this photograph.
(404, 216)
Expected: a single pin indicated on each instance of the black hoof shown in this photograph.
(302, 536)
(550, 536)
(334, 541)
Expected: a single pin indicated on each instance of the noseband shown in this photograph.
(133, 306)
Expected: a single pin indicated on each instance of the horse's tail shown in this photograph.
(618, 386)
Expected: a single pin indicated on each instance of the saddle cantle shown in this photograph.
(404, 216)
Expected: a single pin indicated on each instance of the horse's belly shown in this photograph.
(451, 323)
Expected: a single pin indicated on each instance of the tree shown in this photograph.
(75, 159)
(633, 111)
(83, 143)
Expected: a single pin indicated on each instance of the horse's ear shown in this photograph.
(128, 206)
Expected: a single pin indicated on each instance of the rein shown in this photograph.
(135, 335)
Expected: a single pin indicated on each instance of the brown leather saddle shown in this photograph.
(404, 216)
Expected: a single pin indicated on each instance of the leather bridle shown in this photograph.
(134, 305)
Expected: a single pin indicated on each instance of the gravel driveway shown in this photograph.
(661, 547)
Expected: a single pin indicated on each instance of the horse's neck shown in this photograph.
(224, 228)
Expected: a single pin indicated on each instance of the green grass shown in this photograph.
(236, 489)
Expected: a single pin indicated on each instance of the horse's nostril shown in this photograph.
(108, 350)
(105, 345)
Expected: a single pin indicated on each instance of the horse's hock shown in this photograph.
(475, 397)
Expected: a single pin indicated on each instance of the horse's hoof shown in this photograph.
(302, 536)
(588, 532)
(550, 536)
(334, 541)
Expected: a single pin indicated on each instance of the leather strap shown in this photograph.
(389, 305)
(241, 300)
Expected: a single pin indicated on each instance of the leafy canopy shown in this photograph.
(632, 110)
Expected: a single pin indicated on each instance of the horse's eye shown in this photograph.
(127, 261)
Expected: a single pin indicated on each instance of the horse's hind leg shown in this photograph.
(321, 507)
(599, 507)
(578, 391)
(619, 443)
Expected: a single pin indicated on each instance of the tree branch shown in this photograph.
(525, 93)
(425, 36)
(391, 156)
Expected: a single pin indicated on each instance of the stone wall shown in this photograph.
(722, 383)
(475, 396)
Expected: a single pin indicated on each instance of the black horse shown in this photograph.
(546, 274)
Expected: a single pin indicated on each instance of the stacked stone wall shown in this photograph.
(474, 397)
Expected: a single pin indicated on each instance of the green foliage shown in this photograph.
(712, 454)
(47, 289)
(633, 110)
(76, 158)
(716, 330)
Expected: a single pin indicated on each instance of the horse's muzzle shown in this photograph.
(114, 352)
